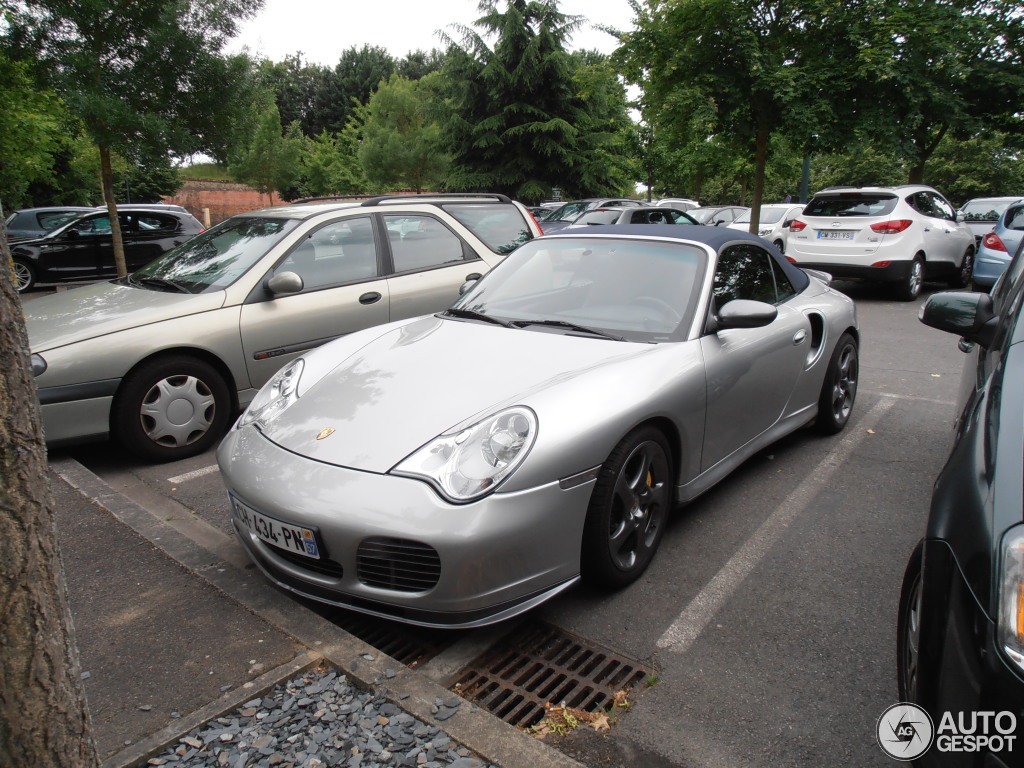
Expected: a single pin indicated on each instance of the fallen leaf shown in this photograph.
(600, 723)
(871, 431)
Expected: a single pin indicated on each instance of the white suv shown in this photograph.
(897, 235)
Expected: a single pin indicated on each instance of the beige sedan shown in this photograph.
(163, 359)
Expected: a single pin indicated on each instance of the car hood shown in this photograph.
(100, 309)
(407, 386)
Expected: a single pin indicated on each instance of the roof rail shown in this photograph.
(378, 199)
(328, 198)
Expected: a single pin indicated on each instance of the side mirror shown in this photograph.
(961, 216)
(284, 283)
(72, 234)
(744, 313)
(787, 223)
(464, 288)
(963, 313)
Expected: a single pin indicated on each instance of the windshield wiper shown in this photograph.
(471, 314)
(568, 325)
(159, 282)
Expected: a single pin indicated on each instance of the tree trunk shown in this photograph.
(760, 161)
(44, 721)
(107, 178)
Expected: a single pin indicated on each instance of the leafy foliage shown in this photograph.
(269, 161)
(520, 119)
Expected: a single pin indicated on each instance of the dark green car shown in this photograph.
(960, 643)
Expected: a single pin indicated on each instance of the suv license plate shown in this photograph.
(835, 235)
(291, 538)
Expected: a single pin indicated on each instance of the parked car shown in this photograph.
(629, 215)
(83, 248)
(774, 222)
(717, 215)
(896, 235)
(36, 222)
(981, 214)
(997, 245)
(960, 638)
(570, 211)
(682, 203)
(608, 374)
(162, 359)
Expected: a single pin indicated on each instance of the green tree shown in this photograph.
(144, 78)
(986, 165)
(269, 160)
(402, 142)
(330, 166)
(933, 69)
(357, 74)
(741, 69)
(518, 122)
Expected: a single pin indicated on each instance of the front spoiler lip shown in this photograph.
(479, 617)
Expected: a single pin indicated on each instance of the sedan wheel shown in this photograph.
(628, 510)
(839, 389)
(908, 633)
(171, 408)
(24, 276)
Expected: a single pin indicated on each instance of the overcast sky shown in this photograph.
(322, 29)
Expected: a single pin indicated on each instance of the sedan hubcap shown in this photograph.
(177, 411)
(916, 277)
(639, 505)
(21, 276)
(912, 641)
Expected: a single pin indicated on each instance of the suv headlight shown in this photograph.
(276, 395)
(1010, 628)
(471, 463)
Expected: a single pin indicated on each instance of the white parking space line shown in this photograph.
(695, 617)
(192, 475)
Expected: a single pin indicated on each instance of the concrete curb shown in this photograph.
(410, 689)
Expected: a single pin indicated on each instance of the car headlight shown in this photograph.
(1011, 596)
(472, 462)
(276, 395)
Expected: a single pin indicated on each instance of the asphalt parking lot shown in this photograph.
(769, 614)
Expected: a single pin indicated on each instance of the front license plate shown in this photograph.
(835, 235)
(292, 538)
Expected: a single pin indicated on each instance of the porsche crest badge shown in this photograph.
(325, 432)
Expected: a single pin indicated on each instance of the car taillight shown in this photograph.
(797, 225)
(882, 264)
(891, 227)
(791, 260)
(993, 243)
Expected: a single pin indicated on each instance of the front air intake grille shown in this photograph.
(323, 565)
(398, 564)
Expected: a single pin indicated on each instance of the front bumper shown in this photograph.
(77, 413)
(495, 557)
(961, 668)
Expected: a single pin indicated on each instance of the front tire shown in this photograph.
(24, 276)
(908, 630)
(910, 287)
(628, 510)
(839, 390)
(962, 277)
(171, 408)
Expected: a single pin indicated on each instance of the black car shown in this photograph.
(83, 249)
(36, 222)
(960, 639)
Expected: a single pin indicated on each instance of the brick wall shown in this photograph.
(212, 200)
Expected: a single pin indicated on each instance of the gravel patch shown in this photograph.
(321, 720)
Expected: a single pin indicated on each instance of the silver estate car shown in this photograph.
(459, 468)
(162, 360)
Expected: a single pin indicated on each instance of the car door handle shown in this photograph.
(473, 276)
(799, 336)
(370, 298)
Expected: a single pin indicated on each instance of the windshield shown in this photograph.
(703, 214)
(599, 217)
(985, 210)
(219, 256)
(768, 216)
(567, 212)
(641, 290)
(501, 227)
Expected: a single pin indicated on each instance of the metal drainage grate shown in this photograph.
(542, 664)
(412, 646)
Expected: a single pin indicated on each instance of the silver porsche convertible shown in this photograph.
(460, 468)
